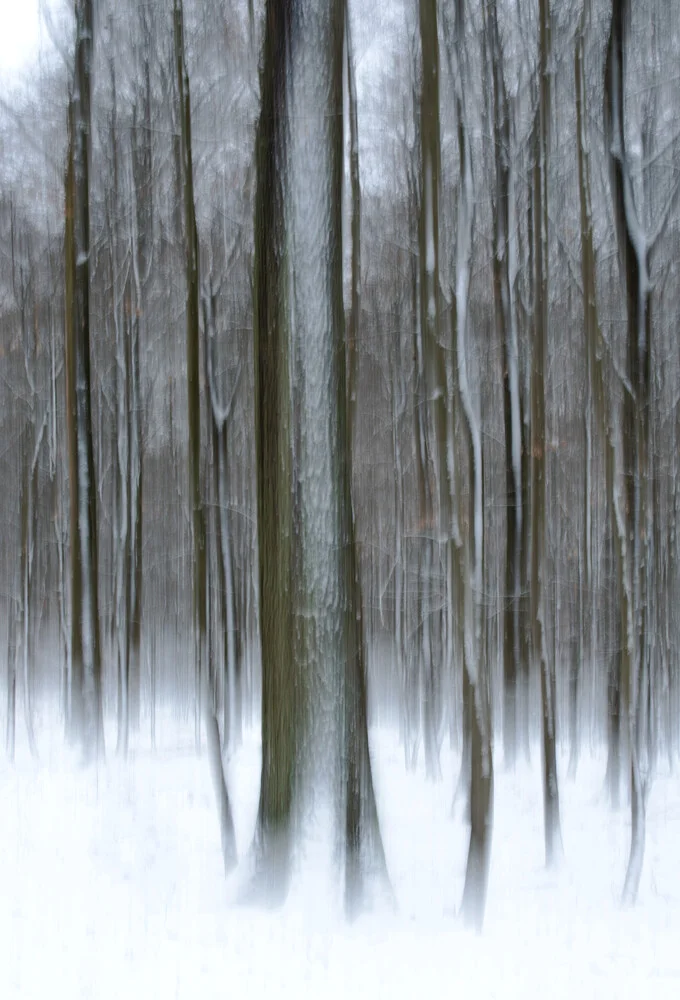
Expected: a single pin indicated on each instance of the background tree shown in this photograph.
(86, 696)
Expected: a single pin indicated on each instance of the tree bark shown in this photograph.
(310, 613)
(205, 705)
(86, 686)
(503, 275)
(432, 431)
(475, 631)
(199, 599)
(634, 518)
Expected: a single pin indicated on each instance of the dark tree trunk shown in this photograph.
(507, 334)
(203, 681)
(305, 519)
(635, 521)
(86, 682)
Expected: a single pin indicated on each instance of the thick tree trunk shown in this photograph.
(310, 612)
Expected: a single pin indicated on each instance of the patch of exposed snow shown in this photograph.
(112, 885)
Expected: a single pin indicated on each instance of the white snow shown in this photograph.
(429, 219)
(112, 885)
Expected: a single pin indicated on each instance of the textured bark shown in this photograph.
(310, 611)
(280, 673)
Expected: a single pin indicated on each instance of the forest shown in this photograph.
(340, 397)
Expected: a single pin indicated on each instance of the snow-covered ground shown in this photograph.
(111, 885)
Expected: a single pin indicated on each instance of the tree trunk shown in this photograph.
(475, 631)
(190, 232)
(433, 431)
(635, 520)
(199, 581)
(141, 239)
(310, 613)
(217, 435)
(86, 687)
(504, 266)
(214, 744)
(10, 735)
(551, 804)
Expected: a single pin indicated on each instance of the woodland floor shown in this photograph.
(111, 885)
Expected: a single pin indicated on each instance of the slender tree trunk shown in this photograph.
(120, 306)
(551, 804)
(142, 227)
(433, 449)
(28, 527)
(199, 599)
(218, 436)
(214, 744)
(86, 688)
(199, 581)
(504, 266)
(75, 708)
(363, 841)
(475, 630)
(635, 520)
(10, 734)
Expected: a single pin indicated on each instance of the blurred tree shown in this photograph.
(314, 726)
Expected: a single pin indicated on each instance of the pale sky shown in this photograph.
(20, 34)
